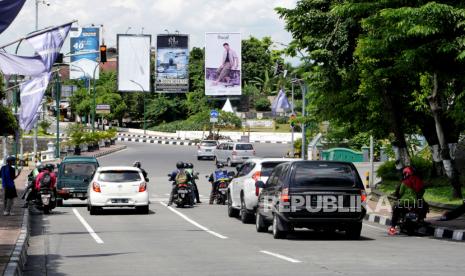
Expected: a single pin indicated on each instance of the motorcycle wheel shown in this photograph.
(46, 210)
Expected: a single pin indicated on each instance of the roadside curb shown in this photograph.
(148, 137)
(18, 258)
(160, 142)
(122, 147)
(436, 231)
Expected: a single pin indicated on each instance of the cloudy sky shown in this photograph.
(194, 17)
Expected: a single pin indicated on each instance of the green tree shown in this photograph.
(8, 123)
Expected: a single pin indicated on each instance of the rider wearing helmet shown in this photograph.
(409, 194)
(138, 165)
(42, 177)
(190, 170)
(213, 179)
(8, 175)
(180, 167)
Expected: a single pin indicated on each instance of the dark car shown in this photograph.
(320, 195)
(74, 175)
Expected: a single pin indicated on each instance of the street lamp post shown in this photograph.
(58, 99)
(145, 113)
(94, 100)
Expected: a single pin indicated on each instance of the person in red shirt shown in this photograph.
(53, 179)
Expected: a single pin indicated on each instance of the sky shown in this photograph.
(193, 17)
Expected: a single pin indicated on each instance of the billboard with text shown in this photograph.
(172, 68)
(84, 52)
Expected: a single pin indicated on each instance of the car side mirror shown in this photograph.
(260, 184)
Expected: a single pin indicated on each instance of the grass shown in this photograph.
(437, 190)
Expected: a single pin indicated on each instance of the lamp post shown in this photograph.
(37, 10)
(57, 99)
(145, 113)
(94, 100)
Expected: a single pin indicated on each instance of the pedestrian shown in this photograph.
(8, 176)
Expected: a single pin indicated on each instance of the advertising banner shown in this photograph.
(134, 63)
(172, 69)
(84, 52)
(223, 64)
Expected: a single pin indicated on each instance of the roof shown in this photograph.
(118, 168)
(79, 158)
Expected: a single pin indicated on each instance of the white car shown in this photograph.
(121, 186)
(206, 149)
(242, 193)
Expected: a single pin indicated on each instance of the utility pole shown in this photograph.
(304, 128)
(58, 99)
(145, 113)
(292, 126)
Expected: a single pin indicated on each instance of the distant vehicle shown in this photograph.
(231, 153)
(73, 177)
(206, 149)
(118, 187)
(242, 192)
(321, 195)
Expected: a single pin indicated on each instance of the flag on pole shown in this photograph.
(280, 103)
(19, 65)
(32, 92)
(9, 9)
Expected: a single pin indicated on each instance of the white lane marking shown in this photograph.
(87, 226)
(280, 256)
(167, 194)
(193, 222)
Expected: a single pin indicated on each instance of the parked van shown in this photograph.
(233, 153)
(74, 175)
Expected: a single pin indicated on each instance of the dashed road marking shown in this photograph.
(282, 257)
(87, 226)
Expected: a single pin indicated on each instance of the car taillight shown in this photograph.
(257, 191)
(234, 152)
(363, 195)
(256, 176)
(285, 195)
(142, 187)
(96, 187)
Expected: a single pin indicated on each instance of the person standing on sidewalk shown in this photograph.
(8, 175)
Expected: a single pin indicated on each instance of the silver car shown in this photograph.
(206, 149)
(233, 153)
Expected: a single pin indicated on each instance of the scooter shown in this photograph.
(412, 220)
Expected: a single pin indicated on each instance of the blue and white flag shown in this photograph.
(18, 65)
(32, 92)
(280, 103)
(9, 9)
(48, 44)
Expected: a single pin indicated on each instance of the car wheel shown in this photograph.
(354, 231)
(94, 210)
(232, 213)
(59, 202)
(198, 157)
(260, 224)
(245, 215)
(277, 233)
(143, 209)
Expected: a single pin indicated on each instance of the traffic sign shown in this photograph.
(214, 114)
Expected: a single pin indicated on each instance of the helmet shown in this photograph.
(180, 165)
(40, 168)
(137, 164)
(189, 166)
(50, 167)
(11, 158)
(220, 165)
(407, 171)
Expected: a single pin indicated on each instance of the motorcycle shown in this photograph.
(412, 220)
(183, 194)
(222, 191)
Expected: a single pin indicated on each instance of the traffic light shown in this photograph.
(103, 53)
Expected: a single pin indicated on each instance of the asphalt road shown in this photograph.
(204, 241)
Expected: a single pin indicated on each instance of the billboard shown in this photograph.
(222, 64)
(84, 52)
(172, 69)
(134, 62)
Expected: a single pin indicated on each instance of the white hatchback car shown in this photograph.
(242, 194)
(118, 187)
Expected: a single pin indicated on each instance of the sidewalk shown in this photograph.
(10, 226)
(453, 229)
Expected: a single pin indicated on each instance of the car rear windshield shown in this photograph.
(119, 176)
(78, 170)
(208, 144)
(324, 174)
(267, 168)
(244, 147)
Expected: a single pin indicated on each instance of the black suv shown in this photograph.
(320, 195)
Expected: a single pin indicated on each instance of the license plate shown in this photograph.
(79, 195)
(208, 150)
(223, 189)
(182, 192)
(119, 200)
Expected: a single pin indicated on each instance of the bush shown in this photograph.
(388, 171)
(282, 120)
(44, 125)
(262, 104)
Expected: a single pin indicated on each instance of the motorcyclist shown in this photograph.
(190, 169)
(179, 167)
(31, 193)
(409, 194)
(218, 174)
(138, 165)
(48, 170)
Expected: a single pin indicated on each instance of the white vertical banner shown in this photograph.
(223, 62)
(134, 63)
